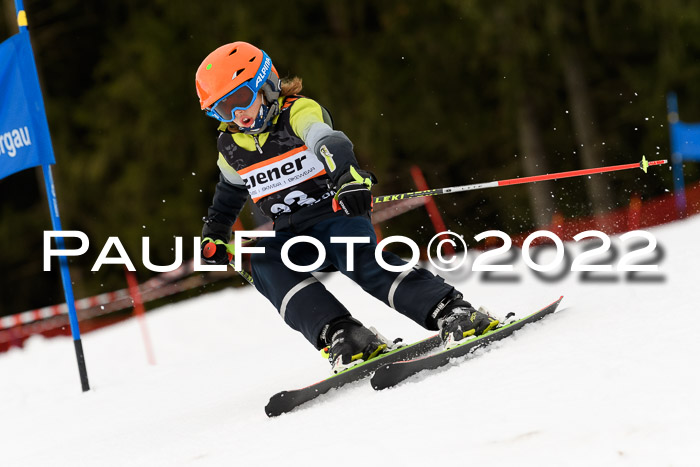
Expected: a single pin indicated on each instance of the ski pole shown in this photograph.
(244, 274)
(644, 165)
(210, 249)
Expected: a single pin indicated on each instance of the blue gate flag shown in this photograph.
(24, 131)
(25, 142)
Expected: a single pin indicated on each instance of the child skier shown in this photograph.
(280, 149)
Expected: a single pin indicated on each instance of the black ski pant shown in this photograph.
(307, 306)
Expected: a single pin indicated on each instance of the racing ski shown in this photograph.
(286, 401)
(391, 373)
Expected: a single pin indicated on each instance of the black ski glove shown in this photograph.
(353, 195)
(216, 251)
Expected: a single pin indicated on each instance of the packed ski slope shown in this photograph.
(612, 379)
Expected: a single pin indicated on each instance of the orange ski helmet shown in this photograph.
(233, 67)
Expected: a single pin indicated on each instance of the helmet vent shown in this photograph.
(233, 51)
(252, 59)
(238, 72)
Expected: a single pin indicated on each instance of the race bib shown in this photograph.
(284, 171)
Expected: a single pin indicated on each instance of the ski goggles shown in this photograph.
(242, 96)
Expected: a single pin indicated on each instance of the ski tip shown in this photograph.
(555, 302)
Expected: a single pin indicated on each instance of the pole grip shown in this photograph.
(209, 249)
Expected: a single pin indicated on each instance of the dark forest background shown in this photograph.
(469, 90)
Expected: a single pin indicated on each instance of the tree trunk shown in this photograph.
(534, 163)
(586, 133)
(9, 17)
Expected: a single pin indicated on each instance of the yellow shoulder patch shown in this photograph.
(303, 114)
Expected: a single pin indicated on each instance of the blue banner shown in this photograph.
(24, 130)
(685, 140)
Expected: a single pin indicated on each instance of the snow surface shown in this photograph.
(610, 380)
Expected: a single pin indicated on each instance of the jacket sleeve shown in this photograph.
(229, 198)
(332, 147)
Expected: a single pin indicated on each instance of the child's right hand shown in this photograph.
(215, 252)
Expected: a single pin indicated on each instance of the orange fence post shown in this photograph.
(634, 213)
(431, 207)
(140, 312)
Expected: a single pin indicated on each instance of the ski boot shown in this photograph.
(456, 320)
(349, 342)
